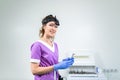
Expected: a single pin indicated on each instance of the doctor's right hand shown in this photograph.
(64, 64)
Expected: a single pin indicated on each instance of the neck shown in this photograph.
(47, 39)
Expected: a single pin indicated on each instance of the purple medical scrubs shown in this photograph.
(45, 55)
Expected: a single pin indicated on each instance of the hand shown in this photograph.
(67, 59)
(64, 64)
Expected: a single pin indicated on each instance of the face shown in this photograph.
(50, 29)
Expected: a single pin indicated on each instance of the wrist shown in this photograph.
(55, 67)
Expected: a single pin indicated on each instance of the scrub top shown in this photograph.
(45, 55)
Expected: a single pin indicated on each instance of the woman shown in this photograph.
(44, 52)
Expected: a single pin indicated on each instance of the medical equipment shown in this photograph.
(84, 67)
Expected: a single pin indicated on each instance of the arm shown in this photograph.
(36, 69)
(35, 60)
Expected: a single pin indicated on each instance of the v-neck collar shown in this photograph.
(52, 48)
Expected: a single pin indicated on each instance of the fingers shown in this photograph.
(70, 62)
(67, 59)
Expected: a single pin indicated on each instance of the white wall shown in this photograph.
(84, 24)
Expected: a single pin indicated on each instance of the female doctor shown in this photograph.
(44, 52)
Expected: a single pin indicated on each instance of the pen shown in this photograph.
(73, 55)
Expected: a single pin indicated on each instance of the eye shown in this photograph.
(53, 25)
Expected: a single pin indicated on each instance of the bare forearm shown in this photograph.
(41, 70)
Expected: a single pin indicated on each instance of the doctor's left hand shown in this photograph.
(69, 58)
(64, 64)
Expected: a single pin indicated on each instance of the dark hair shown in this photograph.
(45, 21)
(50, 18)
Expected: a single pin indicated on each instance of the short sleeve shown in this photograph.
(35, 53)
